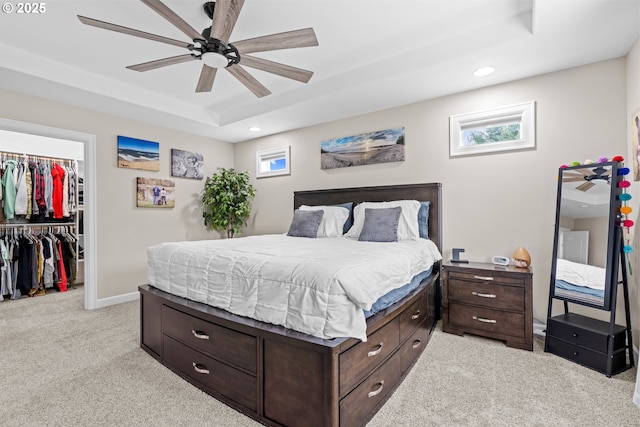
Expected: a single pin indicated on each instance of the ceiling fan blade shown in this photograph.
(207, 76)
(151, 65)
(287, 40)
(584, 187)
(573, 179)
(248, 80)
(171, 16)
(276, 68)
(583, 171)
(225, 15)
(131, 31)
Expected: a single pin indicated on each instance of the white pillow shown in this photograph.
(407, 226)
(333, 220)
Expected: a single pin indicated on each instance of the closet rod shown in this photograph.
(34, 156)
(39, 225)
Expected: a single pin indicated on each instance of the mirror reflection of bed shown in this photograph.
(582, 236)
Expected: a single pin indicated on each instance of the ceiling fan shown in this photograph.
(587, 176)
(213, 48)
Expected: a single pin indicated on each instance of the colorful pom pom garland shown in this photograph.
(624, 197)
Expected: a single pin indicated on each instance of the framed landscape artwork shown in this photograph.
(138, 154)
(365, 149)
(186, 164)
(155, 193)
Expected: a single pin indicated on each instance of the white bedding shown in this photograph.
(580, 274)
(316, 286)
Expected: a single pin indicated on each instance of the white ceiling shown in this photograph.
(372, 55)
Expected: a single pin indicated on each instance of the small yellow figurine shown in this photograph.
(521, 257)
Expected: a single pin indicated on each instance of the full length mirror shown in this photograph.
(584, 243)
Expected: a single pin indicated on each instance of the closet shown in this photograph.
(40, 224)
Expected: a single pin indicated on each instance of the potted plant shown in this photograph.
(226, 200)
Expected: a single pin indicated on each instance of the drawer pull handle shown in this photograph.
(483, 277)
(376, 391)
(376, 351)
(575, 335)
(483, 320)
(201, 369)
(575, 353)
(415, 315)
(480, 294)
(199, 335)
(416, 344)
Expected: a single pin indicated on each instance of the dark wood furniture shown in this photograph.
(489, 300)
(282, 377)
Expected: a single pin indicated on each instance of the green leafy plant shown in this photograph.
(227, 197)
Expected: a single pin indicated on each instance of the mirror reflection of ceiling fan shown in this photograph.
(588, 177)
(213, 48)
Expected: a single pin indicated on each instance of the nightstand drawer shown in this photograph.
(487, 276)
(486, 295)
(487, 320)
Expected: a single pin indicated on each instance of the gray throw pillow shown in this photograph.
(305, 223)
(380, 225)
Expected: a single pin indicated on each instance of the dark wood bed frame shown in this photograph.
(281, 377)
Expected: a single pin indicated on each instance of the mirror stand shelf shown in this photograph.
(588, 258)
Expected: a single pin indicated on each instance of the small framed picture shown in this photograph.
(138, 154)
(186, 164)
(155, 193)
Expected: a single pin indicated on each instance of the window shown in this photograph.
(501, 129)
(272, 162)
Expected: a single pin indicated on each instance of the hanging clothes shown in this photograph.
(9, 189)
(21, 191)
(57, 176)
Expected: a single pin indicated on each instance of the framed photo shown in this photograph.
(138, 154)
(490, 131)
(186, 164)
(155, 193)
(273, 162)
(381, 146)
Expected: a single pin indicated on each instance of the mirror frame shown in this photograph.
(613, 237)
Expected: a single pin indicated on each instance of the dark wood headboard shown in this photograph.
(422, 192)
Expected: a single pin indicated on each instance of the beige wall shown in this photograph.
(123, 231)
(633, 104)
(492, 203)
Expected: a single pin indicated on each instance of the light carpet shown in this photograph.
(64, 366)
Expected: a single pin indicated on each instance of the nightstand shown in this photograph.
(489, 300)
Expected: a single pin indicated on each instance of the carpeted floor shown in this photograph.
(64, 366)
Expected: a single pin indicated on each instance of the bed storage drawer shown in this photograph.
(216, 376)
(412, 317)
(497, 322)
(357, 362)
(371, 394)
(486, 294)
(229, 346)
(412, 348)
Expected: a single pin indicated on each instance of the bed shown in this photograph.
(280, 376)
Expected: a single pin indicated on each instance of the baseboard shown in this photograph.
(105, 302)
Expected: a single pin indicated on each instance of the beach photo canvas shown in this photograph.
(138, 154)
(365, 149)
(186, 164)
(155, 193)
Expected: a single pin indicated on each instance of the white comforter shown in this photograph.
(316, 286)
(580, 274)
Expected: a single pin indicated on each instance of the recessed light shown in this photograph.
(254, 129)
(484, 71)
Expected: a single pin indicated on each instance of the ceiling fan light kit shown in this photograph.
(213, 48)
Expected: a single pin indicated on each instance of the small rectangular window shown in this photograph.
(500, 129)
(272, 162)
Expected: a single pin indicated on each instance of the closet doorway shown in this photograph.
(50, 137)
